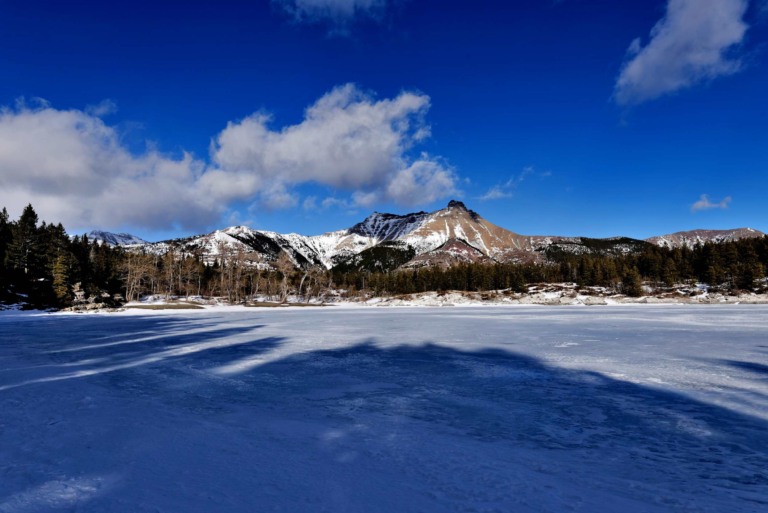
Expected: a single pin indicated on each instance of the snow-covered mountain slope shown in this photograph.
(444, 237)
(389, 227)
(693, 237)
(384, 257)
(238, 242)
(611, 246)
(453, 252)
(332, 247)
(115, 239)
(457, 222)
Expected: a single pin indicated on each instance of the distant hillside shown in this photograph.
(115, 239)
(693, 237)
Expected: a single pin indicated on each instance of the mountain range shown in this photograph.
(115, 239)
(383, 241)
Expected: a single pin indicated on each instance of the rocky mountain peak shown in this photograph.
(457, 204)
(459, 208)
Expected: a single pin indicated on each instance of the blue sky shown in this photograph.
(570, 117)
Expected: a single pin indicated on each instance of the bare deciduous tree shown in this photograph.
(285, 266)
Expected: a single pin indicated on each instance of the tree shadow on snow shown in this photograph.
(78, 348)
(395, 402)
(512, 402)
(753, 367)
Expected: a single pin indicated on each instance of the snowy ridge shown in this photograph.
(692, 238)
(388, 227)
(331, 246)
(444, 237)
(114, 239)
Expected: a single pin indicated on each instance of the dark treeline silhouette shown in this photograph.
(41, 266)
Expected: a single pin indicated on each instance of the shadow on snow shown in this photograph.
(367, 394)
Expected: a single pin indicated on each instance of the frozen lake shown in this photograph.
(527, 409)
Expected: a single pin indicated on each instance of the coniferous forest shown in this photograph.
(41, 266)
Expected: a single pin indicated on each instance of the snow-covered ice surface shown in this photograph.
(508, 409)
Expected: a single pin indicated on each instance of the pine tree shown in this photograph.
(749, 268)
(631, 283)
(62, 288)
(5, 236)
(669, 273)
(22, 251)
(5, 240)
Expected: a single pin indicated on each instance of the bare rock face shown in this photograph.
(456, 222)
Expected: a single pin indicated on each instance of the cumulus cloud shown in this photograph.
(338, 13)
(72, 167)
(692, 43)
(704, 203)
(424, 181)
(347, 140)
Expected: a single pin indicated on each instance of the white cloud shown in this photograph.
(101, 109)
(424, 181)
(704, 203)
(496, 192)
(691, 44)
(73, 169)
(331, 202)
(348, 206)
(506, 189)
(347, 140)
(338, 13)
(309, 203)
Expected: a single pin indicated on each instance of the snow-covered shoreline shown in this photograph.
(565, 298)
(542, 294)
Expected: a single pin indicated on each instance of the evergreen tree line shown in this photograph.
(730, 267)
(42, 266)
